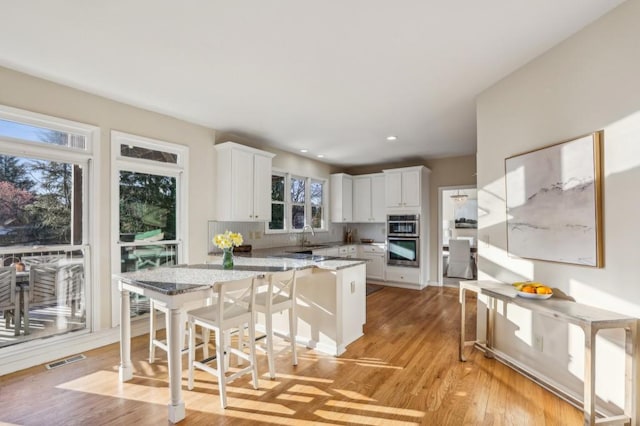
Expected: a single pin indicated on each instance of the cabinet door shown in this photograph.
(242, 182)
(393, 189)
(341, 198)
(361, 199)
(378, 212)
(411, 188)
(375, 267)
(347, 199)
(261, 188)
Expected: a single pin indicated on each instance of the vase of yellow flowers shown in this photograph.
(227, 242)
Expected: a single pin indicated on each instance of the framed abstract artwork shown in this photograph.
(554, 202)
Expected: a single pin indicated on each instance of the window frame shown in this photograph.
(178, 170)
(89, 161)
(307, 202)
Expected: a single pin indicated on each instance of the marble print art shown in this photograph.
(553, 202)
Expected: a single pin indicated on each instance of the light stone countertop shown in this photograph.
(186, 278)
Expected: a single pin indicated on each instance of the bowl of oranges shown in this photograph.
(533, 290)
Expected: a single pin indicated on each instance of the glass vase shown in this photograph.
(227, 258)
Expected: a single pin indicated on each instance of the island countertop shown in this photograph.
(187, 278)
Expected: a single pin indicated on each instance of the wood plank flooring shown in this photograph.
(404, 371)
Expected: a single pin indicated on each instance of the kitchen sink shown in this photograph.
(307, 248)
(315, 246)
(304, 255)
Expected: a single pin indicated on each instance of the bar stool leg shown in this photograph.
(269, 330)
(293, 332)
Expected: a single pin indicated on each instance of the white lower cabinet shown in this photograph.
(402, 274)
(347, 251)
(376, 261)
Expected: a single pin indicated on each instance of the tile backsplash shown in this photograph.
(253, 233)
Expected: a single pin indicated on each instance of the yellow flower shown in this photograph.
(228, 240)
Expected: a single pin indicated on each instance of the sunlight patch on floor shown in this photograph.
(361, 420)
(304, 378)
(310, 390)
(295, 398)
(376, 408)
(353, 395)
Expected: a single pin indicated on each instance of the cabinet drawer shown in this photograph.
(347, 250)
(373, 249)
(403, 275)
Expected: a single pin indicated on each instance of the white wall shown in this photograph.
(589, 82)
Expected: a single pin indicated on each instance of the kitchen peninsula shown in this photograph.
(331, 304)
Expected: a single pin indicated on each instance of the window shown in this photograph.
(45, 176)
(277, 202)
(146, 193)
(295, 202)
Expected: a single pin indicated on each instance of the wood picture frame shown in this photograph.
(554, 202)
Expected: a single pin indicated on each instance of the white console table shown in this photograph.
(588, 318)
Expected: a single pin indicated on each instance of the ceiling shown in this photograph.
(335, 77)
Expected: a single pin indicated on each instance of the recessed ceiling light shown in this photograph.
(320, 155)
(392, 138)
(304, 150)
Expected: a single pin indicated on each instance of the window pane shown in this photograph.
(148, 154)
(32, 133)
(277, 216)
(297, 190)
(147, 207)
(38, 198)
(297, 217)
(316, 216)
(277, 188)
(134, 258)
(52, 285)
(316, 193)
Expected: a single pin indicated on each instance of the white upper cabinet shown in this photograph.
(243, 183)
(403, 187)
(378, 198)
(368, 198)
(341, 198)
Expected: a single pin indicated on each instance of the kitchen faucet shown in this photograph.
(304, 229)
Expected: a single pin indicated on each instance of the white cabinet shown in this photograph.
(347, 251)
(375, 255)
(404, 275)
(243, 183)
(369, 198)
(404, 187)
(341, 198)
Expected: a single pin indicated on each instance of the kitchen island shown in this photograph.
(331, 305)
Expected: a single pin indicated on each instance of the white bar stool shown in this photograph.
(232, 310)
(279, 296)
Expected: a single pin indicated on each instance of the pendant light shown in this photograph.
(459, 199)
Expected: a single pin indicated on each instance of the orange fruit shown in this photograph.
(528, 289)
(544, 290)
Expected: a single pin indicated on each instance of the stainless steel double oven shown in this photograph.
(403, 240)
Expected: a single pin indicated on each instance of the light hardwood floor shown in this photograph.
(404, 371)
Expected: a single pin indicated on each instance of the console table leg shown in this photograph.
(631, 374)
(463, 338)
(491, 322)
(589, 375)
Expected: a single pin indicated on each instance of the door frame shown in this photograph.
(441, 190)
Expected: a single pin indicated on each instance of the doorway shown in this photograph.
(457, 218)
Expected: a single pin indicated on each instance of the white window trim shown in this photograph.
(178, 170)
(307, 204)
(91, 187)
(91, 133)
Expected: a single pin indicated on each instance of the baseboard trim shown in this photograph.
(40, 352)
